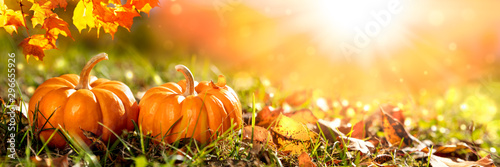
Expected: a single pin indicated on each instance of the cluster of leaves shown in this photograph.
(108, 14)
(302, 132)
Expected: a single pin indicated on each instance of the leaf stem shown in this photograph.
(24, 18)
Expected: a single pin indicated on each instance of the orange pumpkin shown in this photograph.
(189, 109)
(73, 102)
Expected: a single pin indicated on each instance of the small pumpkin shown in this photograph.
(73, 102)
(189, 109)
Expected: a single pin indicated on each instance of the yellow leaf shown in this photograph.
(83, 16)
(41, 10)
(10, 20)
(291, 136)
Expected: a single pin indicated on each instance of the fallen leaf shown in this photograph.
(296, 99)
(437, 161)
(382, 158)
(305, 160)
(329, 130)
(261, 137)
(260, 134)
(357, 131)
(394, 111)
(267, 116)
(291, 136)
(395, 132)
(303, 116)
(459, 150)
(60, 162)
(353, 144)
(96, 141)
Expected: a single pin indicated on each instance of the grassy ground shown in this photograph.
(463, 113)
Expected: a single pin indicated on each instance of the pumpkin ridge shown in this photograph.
(112, 112)
(53, 122)
(77, 113)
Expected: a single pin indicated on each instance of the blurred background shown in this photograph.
(438, 59)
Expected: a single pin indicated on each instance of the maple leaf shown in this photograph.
(10, 20)
(36, 44)
(61, 3)
(126, 16)
(144, 5)
(109, 27)
(83, 16)
(55, 26)
(41, 10)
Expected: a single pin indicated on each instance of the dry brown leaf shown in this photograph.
(96, 141)
(330, 132)
(459, 150)
(267, 116)
(305, 160)
(382, 158)
(358, 130)
(60, 162)
(353, 144)
(394, 111)
(291, 136)
(261, 137)
(395, 132)
(303, 116)
(298, 98)
(260, 134)
(437, 161)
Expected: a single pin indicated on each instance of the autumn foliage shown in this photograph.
(88, 14)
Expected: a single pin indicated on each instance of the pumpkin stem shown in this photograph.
(221, 82)
(84, 82)
(189, 80)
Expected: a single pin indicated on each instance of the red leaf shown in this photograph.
(144, 5)
(35, 45)
(55, 26)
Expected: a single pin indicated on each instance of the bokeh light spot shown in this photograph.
(436, 18)
(452, 46)
(176, 9)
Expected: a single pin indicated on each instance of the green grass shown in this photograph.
(443, 123)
